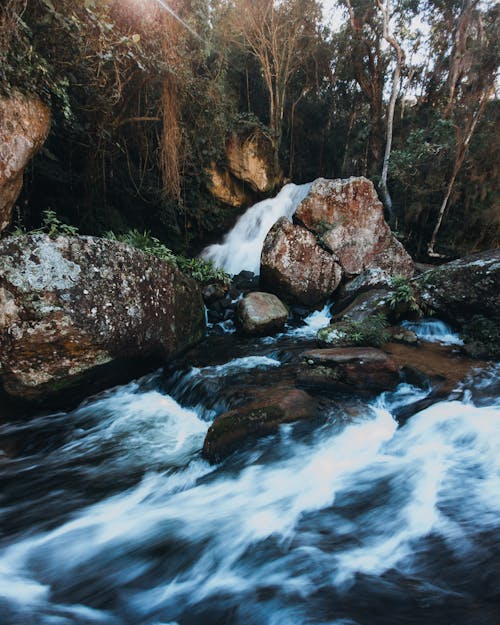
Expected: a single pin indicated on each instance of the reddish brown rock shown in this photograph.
(261, 313)
(259, 418)
(295, 267)
(348, 216)
(24, 126)
(71, 304)
(352, 369)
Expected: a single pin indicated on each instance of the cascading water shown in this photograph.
(434, 331)
(111, 517)
(242, 246)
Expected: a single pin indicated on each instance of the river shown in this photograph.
(109, 514)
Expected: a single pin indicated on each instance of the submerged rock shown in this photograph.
(71, 304)
(24, 126)
(259, 418)
(348, 216)
(463, 288)
(349, 369)
(295, 267)
(261, 313)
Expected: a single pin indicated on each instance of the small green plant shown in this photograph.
(198, 269)
(403, 295)
(146, 242)
(54, 227)
(51, 225)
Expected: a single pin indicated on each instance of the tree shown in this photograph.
(473, 63)
(281, 36)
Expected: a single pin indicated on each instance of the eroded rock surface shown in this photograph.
(24, 126)
(250, 160)
(463, 288)
(259, 418)
(71, 304)
(348, 216)
(295, 267)
(261, 313)
(362, 370)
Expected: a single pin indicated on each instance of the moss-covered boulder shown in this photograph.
(73, 304)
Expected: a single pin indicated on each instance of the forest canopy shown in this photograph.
(145, 95)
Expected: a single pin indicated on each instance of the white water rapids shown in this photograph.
(242, 246)
(293, 532)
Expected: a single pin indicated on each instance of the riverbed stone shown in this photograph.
(261, 417)
(72, 304)
(460, 289)
(24, 126)
(348, 216)
(363, 370)
(261, 313)
(295, 267)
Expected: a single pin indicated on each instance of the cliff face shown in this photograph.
(24, 127)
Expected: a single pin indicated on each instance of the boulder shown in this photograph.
(348, 216)
(361, 370)
(369, 280)
(370, 332)
(463, 288)
(259, 418)
(295, 267)
(71, 304)
(365, 305)
(261, 313)
(250, 159)
(24, 126)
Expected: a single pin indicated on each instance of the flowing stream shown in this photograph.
(242, 246)
(109, 514)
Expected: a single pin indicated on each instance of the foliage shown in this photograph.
(51, 225)
(200, 270)
(403, 295)
(484, 331)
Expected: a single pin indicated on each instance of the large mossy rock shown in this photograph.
(261, 313)
(363, 370)
(71, 304)
(295, 267)
(348, 216)
(261, 417)
(24, 126)
(463, 288)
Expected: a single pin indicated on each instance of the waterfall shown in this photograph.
(242, 246)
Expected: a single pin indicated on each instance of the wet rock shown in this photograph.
(261, 313)
(443, 366)
(245, 281)
(365, 306)
(370, 280)
(24, 126)
(399, 334)
(350, 369)
(463, 288)
(295, 267)
(348, 217)
(371, 332)
(262, 416)
(73, 304)
(213, 292)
